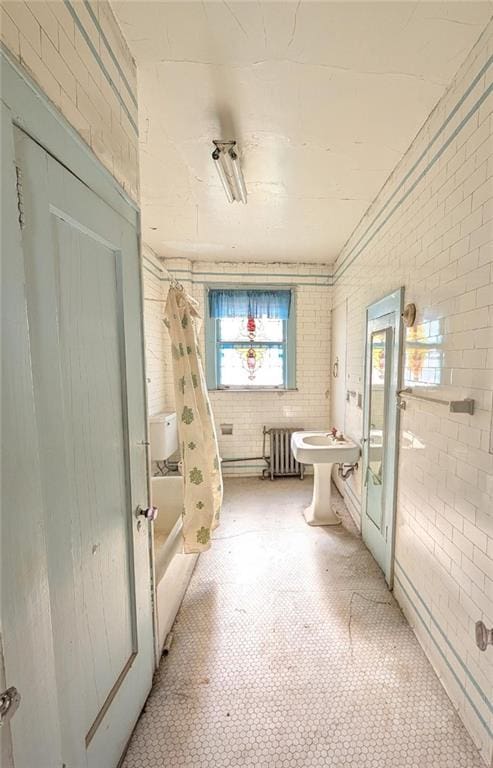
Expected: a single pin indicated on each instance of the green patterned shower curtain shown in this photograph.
(202, 480)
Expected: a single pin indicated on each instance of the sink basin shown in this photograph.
(318, 440)
(322, 448)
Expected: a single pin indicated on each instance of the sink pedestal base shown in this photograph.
(320, 512)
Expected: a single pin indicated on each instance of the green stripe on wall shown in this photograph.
(347, 260)
(451, 669)
(259, 274)
(105, 72)
(481, 693)
(343, 266)
(294, 277)
(110, 50)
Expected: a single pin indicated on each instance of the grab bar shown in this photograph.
(454, 406)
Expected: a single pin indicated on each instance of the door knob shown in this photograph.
(150, 513)
(484, 636)
(9, 702)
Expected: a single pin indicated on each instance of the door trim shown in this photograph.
(33, 113)
(107, 703)
(392, 303)
(27, 108)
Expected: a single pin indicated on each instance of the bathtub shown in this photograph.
(172, 568)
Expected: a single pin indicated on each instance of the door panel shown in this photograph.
(380, 429)
(91, 371)
(85, 333)
(380, 361)
(29, 663)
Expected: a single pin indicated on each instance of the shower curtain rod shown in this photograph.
(174, 282)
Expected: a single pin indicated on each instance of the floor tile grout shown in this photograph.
(289, 651)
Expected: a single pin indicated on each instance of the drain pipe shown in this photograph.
(346, 470)
(168, 467)
(243, 458)
(167, 644)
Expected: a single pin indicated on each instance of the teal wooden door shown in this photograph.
(380, 429)
(82, 282)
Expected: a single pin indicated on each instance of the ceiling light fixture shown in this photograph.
(229, 171)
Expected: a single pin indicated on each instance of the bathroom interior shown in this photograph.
(303, 194)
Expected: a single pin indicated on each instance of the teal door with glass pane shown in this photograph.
(380, 430)
(250, 338)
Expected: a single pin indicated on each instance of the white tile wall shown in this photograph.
(81, 61)
(249, 411)
(155, 333)
(434, 237)
(437, 242)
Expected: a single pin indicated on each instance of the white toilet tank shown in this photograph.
(163, 436)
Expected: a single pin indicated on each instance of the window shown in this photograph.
(250, 339)
(424, 354)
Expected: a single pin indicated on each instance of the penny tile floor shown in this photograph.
(290, 652)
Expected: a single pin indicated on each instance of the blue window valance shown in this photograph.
(249, 303)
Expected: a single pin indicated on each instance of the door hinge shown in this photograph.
(9, 703)
(20, 197)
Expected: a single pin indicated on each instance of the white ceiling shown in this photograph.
(324, 98)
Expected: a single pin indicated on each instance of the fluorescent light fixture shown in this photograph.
(229, 171)
(217, 157)
(238, 175)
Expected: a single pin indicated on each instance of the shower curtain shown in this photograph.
(203, 488)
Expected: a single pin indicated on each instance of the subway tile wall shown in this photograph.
(156, 337)
(308, 406)
(430, 230)
(76, 53)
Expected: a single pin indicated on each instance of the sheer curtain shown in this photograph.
(272, 304)
(202, 479)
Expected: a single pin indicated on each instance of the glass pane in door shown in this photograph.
(378, 404)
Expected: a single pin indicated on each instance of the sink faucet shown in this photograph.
(335, 435)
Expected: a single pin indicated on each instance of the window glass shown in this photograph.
(424, 354)
(251, 351)
(243, 366)
(236, 329)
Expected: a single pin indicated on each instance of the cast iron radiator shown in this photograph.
(281, 462)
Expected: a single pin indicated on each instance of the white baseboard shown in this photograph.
(354, 506)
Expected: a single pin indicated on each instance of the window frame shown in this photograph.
(211, 341)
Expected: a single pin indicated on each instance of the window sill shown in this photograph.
(253, 389)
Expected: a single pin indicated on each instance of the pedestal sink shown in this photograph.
(322, 450)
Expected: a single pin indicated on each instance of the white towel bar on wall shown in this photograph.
(454, 406)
